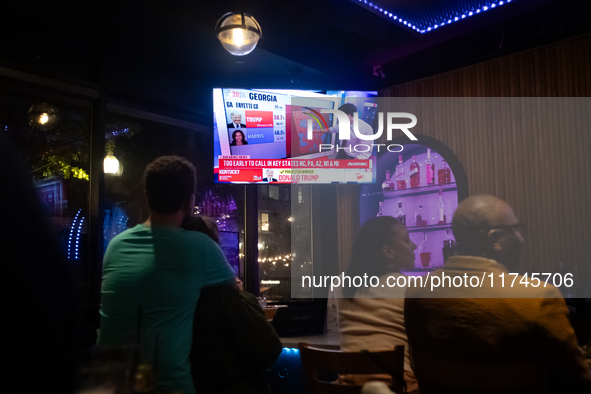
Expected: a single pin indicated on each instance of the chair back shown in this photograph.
(317, 361)
(436, 376)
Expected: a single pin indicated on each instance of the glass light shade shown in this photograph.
(111, 165)
(238, 33)
(43, 116)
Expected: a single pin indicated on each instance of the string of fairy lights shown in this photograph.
(281, 259)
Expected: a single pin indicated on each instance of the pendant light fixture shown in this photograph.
(111, 165)
(239, 33)
(43, 116)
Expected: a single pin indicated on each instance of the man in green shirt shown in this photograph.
(153, 275)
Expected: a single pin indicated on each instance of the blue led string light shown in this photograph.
(446, 20)
(74, 237)
(78, 236)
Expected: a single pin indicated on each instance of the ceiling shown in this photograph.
(165, 53)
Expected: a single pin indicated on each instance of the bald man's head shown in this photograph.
(476, 224)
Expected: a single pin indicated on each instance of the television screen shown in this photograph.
(261, 136)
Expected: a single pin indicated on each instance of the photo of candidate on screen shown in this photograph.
(269, 173)
(238, 138)
(236, 117)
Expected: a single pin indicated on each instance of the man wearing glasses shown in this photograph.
(492, 323)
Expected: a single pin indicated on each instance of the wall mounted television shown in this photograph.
(260, 136)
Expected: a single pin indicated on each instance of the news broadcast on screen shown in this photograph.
(289, 136)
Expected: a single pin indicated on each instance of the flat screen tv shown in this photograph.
(260, 136)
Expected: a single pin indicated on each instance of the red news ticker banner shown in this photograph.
(259, 118)
(242, 175)
(243, 164)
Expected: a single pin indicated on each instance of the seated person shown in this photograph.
(372, 318)
(153, 274)
(233, 344)
(494, 324)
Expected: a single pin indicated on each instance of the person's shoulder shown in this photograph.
(132, 231)
(201, 246)
(334, 128)
(223, 293)
(364, 126)
(129, 234)
(196, 238)
(122, 242)
(541, 289)
(522, 286)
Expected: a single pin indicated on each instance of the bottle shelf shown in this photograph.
(417, 191)
(424, 229)
(421, 270)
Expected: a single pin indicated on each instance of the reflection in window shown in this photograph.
(264, 221)
(301, 237)
(285, 240)
(274, 246)
(274, 192)
(136, 142)
(53, 137)
(263, 191)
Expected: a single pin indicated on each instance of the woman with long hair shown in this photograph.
(372, 318)
(238, 138)
(233, 344)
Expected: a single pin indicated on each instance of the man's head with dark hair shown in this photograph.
(483, 227)
(348, 109)
(169, 183)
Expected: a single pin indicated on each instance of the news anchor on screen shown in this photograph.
(238, 138)
(236, 121)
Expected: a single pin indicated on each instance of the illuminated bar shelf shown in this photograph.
(424, 229)
(420, 271)
(417, 191)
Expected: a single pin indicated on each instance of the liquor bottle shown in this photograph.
(387, 185)
(430, 168)
(414, 173)
(440, 214)
(400, 214)
(420, 218)
(425, 252)
(400, 181)
(444, 175)
(449, 246)
(381, 212)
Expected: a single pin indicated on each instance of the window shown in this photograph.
(274, 192)
(264, 221)
(136, 142)
(285, 241)
(58, 157)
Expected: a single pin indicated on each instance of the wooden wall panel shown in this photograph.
(541, 168)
